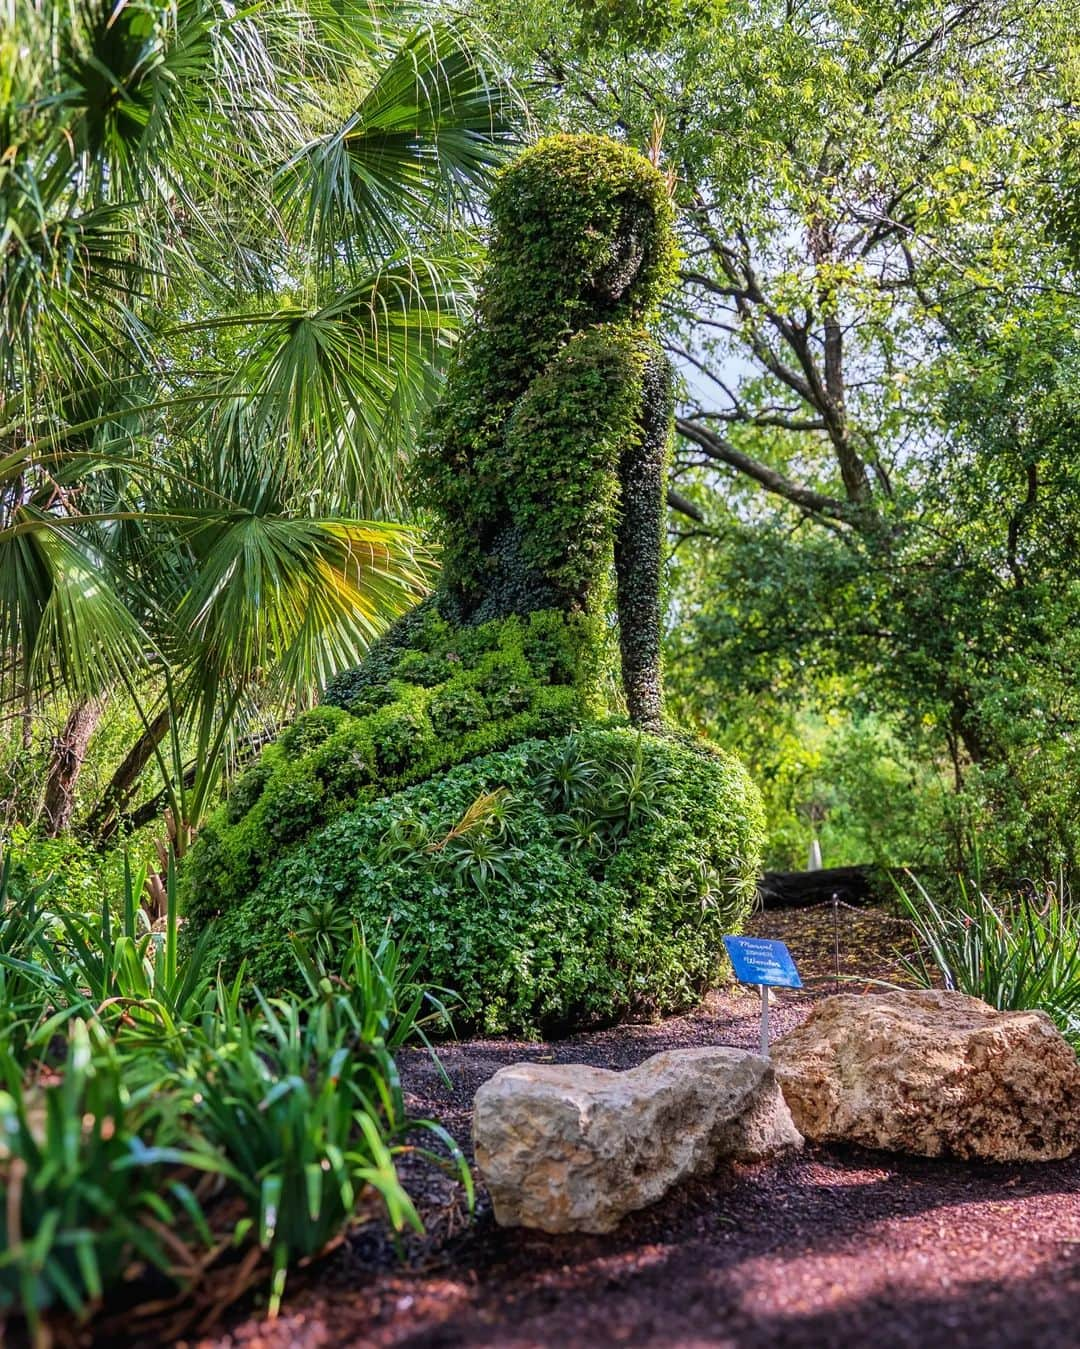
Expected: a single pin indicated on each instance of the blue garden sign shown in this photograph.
(759, 961)
(767, 964)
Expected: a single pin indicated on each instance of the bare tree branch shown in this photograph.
(684, 506)
(721, 450)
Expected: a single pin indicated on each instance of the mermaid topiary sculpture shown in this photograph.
(495, 780)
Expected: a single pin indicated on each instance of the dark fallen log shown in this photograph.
(859, 886)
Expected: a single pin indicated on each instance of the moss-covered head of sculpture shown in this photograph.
(580, 222)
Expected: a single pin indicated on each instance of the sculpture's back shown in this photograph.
(544, 459)
(501, 703)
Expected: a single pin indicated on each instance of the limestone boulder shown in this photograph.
(570, 1148)
(935, 1074)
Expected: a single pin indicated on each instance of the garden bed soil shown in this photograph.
(834, 1247)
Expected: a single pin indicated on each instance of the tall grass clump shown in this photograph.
(1017, 953)
(167, 1135)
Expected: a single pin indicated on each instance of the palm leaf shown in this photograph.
(294, 598)
(431, 129)
(336, 390)
(59, 609)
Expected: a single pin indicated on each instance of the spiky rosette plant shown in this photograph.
(601, 885)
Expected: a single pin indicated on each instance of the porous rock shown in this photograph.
(935, 1074)
(571, 1148)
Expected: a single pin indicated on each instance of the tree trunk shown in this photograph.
(102, 821)
(68, 754)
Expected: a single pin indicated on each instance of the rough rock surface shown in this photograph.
(934, 1074)
(570, 1148)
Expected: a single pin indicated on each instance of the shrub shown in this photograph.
(65, 871)
(522, 458)
(553, 884)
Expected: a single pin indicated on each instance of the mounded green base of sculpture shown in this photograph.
(553, 885)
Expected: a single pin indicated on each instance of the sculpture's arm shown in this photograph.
(564, 444)
(586, 448)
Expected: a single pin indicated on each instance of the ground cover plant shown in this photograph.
(598, 877)
(516, 868)
(166, 1138)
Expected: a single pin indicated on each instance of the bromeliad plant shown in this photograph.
(1018, 953)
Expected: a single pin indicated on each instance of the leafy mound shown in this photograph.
(430, 696)
(554, 884)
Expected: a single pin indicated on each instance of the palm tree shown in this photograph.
(233, 255)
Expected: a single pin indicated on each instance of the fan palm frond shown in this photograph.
(294, 599)
(231, 270)
(59, 609)
(334, 390)
(430, 131)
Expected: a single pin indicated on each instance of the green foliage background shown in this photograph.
(875, 326)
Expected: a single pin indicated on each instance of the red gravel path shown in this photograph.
(837, 1247)
(825, 1251)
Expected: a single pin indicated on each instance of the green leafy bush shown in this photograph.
(522, 460)
(65, 871)
(553, 884)
(1018, 954)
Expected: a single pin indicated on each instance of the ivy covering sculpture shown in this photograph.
(474, 781)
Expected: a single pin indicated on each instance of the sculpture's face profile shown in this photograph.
(581, 217)
(629, 240)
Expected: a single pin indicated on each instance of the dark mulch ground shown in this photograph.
(837, 1247)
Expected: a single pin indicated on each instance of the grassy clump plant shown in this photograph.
(1018, 953)
(163, 1125)
(94, 1163)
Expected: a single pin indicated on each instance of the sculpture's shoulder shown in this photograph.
(601, 358)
